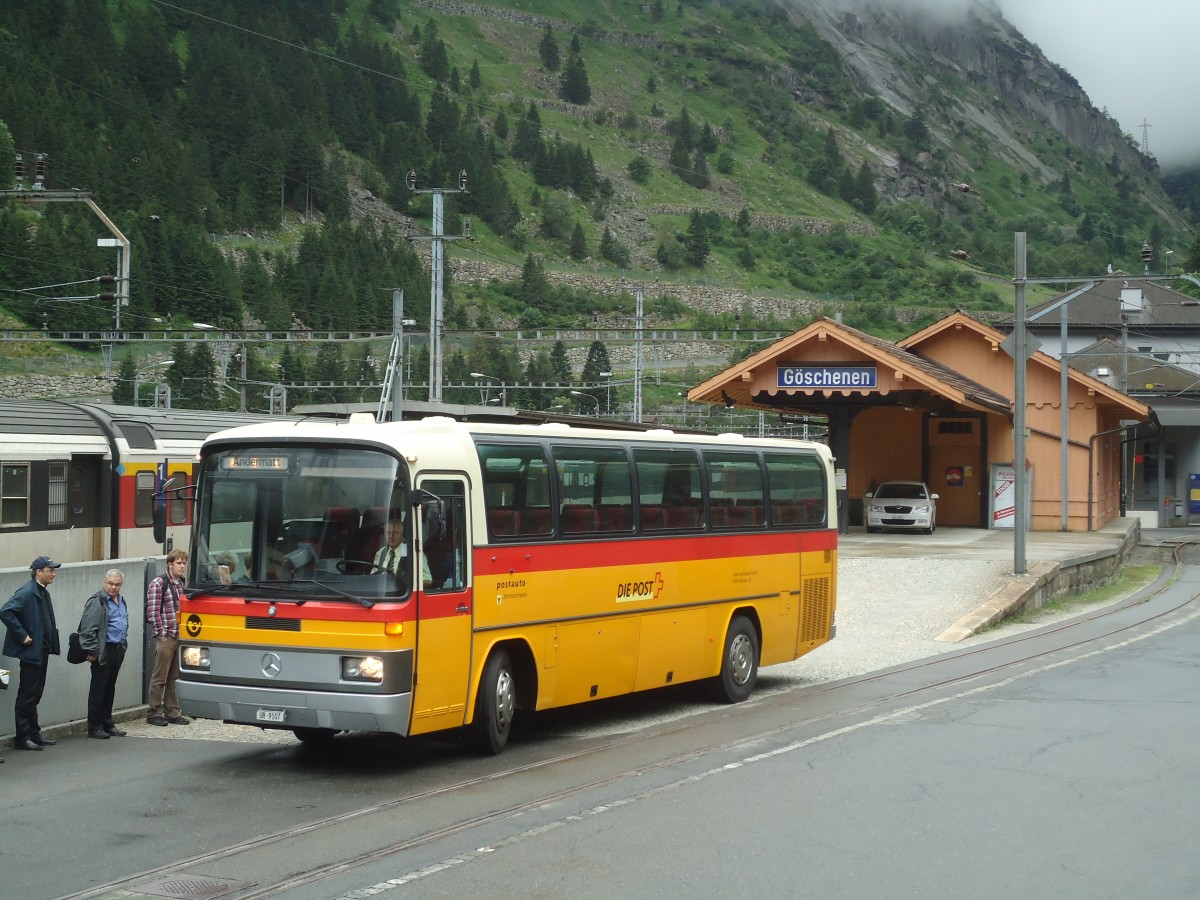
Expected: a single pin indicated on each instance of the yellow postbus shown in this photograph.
(421, 576)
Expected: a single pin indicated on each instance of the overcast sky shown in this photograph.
(1140, 60)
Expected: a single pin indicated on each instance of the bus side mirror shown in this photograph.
(433, 514)
(158, 513)
(159, 522)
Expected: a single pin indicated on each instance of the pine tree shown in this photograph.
(548, 51)
(560, 363)
(573, 85)
(123, 390)
(435, 61)
(696, 241)
(579, 247)
(679, 160)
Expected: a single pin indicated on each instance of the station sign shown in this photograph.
(827, 376)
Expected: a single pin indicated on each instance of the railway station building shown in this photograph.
(937, 407)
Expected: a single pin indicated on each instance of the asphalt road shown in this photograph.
(1054, 764)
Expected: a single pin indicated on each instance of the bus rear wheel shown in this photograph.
(495, 705)
(739, 662)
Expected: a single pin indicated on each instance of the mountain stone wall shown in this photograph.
(56, 387)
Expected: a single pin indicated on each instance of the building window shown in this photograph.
(956, 427)
(14, 494)
(56, 509)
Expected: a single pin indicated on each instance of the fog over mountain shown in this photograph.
(1138, 60)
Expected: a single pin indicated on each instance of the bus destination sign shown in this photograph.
(836, 376)
(256, 461)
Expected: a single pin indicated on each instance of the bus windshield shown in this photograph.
(297, 523)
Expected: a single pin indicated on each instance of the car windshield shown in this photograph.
(898, 491)
(297, 523)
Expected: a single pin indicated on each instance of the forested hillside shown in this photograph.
(802, 157)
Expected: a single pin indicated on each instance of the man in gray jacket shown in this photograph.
(32, 638)
(103, 635)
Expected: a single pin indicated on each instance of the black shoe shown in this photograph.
(157, 720)
(26, 744)
(1, 759)
(179, 720)
(115, 732)
(43, 742)
(99, 734)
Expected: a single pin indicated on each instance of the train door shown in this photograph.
(444, 615)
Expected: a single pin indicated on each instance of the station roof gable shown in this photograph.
(960, 321)
(753, 382)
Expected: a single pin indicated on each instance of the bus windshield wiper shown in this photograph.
(361, 601)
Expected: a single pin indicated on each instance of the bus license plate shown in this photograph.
(270, 715)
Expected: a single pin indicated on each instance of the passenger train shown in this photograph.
(78, 480)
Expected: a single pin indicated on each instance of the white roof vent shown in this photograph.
(1132, 300)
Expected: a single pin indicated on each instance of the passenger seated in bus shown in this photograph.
(227, 568)
(392, 555)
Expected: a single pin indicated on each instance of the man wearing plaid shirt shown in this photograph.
(162, 617)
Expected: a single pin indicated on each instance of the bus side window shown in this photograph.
(797, 490)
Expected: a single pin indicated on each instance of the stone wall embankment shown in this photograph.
(56, 387)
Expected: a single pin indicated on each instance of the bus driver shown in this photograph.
(394, 552)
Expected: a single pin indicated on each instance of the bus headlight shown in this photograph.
(195, 657)
(362, 668)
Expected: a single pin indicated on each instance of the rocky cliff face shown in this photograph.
(966, 69)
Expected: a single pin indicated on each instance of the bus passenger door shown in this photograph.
(444, 616)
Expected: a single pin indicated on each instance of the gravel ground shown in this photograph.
(890, 611)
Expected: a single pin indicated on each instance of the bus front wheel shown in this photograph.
(495, 705)
(739, 662)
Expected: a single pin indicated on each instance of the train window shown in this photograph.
(56, 511)
(143, 499)
(14, 494)
(77, 497)
(177, 502)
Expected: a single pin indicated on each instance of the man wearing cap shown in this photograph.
(32, 638)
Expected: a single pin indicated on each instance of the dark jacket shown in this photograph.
(93, 625)
(22, 615)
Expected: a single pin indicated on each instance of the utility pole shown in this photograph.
(392, 394)
(1020, 356)
(636, 413)
(435, 276)
(37, 193)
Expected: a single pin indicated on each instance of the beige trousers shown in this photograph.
(163, 700)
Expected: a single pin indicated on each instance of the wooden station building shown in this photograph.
(937, 407)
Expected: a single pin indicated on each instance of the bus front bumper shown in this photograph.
(281, 708)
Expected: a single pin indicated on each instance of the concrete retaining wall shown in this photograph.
(1042, 583)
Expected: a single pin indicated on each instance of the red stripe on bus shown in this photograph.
(499, 559)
